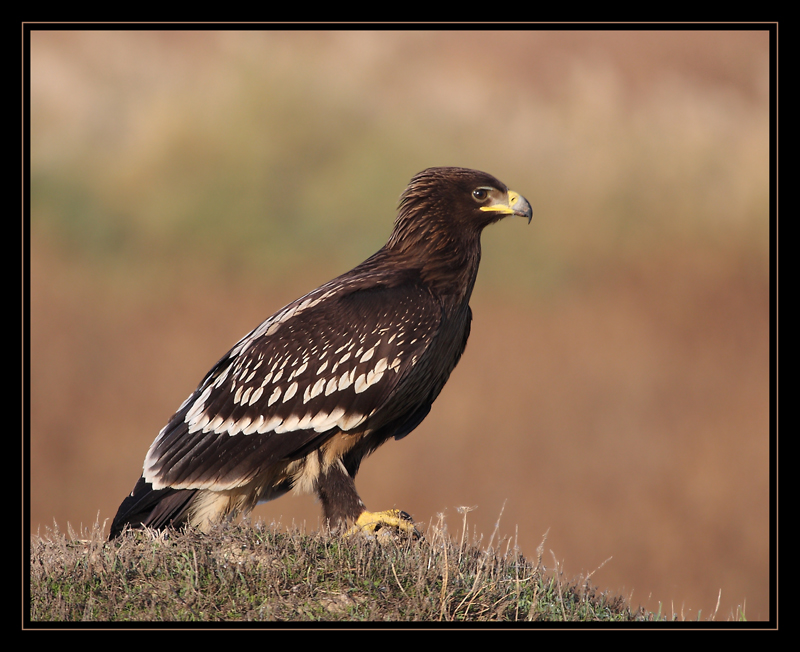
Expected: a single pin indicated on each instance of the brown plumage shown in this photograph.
(302, 399)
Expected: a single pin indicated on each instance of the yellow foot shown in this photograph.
(384, 523)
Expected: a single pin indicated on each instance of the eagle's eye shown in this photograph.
(480, 195)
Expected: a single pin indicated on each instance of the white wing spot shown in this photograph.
(320, 418)
(350, 421)
(291, 391)
(200, 425)
(213, 424)
(256, 395)
(346, 379)
(289, 424)
(222, 377)
(226, 426)
(198, 406)
(323, 424)
(275, 396)
(313, 390)
(253, 426)
(305, 421)
(373, 377)
(234, 428)
(270, 425)
(330, 388)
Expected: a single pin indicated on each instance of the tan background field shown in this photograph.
(615, 392)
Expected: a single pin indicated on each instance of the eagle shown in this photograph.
(302, 399)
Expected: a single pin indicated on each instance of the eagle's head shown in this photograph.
(453, 202)
(439, 222)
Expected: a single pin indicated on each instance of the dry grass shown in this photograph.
(244, 573)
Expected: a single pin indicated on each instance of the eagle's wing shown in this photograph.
(328, 362)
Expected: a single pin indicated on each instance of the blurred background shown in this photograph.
(614, 394)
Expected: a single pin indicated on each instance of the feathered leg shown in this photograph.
(342, 505)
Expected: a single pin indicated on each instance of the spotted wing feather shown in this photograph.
(334, 360)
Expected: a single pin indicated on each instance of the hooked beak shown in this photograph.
(517, 205)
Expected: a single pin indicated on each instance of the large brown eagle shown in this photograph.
(301, 400)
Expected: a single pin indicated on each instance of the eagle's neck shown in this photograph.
(447, 259)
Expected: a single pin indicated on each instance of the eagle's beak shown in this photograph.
(516, 205)
(519, 205)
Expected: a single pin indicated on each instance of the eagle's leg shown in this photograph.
(342, 505)
(336, 490)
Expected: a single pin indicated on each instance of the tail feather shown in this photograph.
(154, 508)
